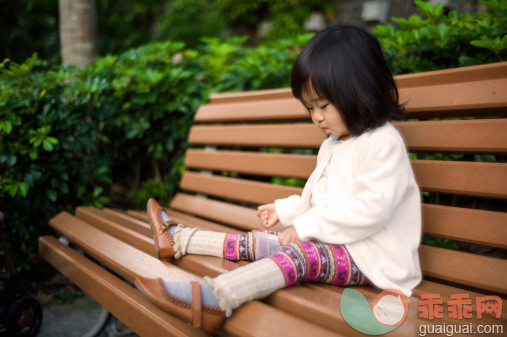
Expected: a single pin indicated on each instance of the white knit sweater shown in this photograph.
(372, 205)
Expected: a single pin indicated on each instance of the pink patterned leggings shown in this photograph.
(301, 261)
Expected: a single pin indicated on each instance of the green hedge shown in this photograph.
(431, 39)
(115, 132)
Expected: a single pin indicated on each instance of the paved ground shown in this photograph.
(81, 318)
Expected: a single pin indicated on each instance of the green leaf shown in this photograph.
(427, 9)
(11, 160)
(23, 189)
(13, 189)
(46, 144)
(81, 190)
(53, 140)
(51, 194)
(6, 126)
(450, 244)
(97, 190)
(64, 188)
(484, 158)
(36, 142)
(503, 43)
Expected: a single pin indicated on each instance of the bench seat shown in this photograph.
(130, 252)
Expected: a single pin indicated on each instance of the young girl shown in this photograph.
(358, 220)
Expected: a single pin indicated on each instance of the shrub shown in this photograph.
(434, 40)
(116, 129)
(49, 161)
(152, 94)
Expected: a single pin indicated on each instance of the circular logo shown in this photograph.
(386, 313)
(390, 307)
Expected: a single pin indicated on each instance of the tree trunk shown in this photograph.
(78, 31)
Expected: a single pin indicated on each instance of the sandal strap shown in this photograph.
(165, 226)
(170, 223)
(196, 304)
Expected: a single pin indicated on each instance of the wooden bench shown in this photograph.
(230, 173)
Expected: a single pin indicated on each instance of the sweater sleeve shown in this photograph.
(287, 209)
(381, 181)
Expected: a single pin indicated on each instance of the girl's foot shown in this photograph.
(192, 301)
(162, 228)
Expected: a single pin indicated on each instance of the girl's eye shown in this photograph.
(322, 107)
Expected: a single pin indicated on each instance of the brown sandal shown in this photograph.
(206, 317)
(164, 242)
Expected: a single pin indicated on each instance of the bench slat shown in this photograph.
(456, 99)
(429, 287)
(238, 216)
(122, 218)
(234, 188)
(425, 287)
(467, 178)
(113, 252)
(464, 268)
(457, 223)
(259, 319)
(475, 98)
(260, 163)
(195, 264)
(116, 296)
(279, 135)
(268, 110)
(141, 219)
(97, 218)
(482, 72)
(313, 291)
(185, 218)
(457, 136)
(464, 224)
(250, 96)
(464, 182)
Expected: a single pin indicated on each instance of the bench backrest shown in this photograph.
(457, 111)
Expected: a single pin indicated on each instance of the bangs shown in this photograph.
(314, 69)
(304, 81)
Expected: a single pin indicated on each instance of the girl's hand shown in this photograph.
(288, 236)
(267, 214)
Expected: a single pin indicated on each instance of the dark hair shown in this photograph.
(345, 65)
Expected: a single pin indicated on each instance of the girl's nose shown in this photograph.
(317, 115)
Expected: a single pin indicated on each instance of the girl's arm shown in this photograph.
(287, 209)
(382, 179)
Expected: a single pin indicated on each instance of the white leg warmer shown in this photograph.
(196, 241)
(256, 280)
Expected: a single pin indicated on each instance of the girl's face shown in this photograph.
(324, 115)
